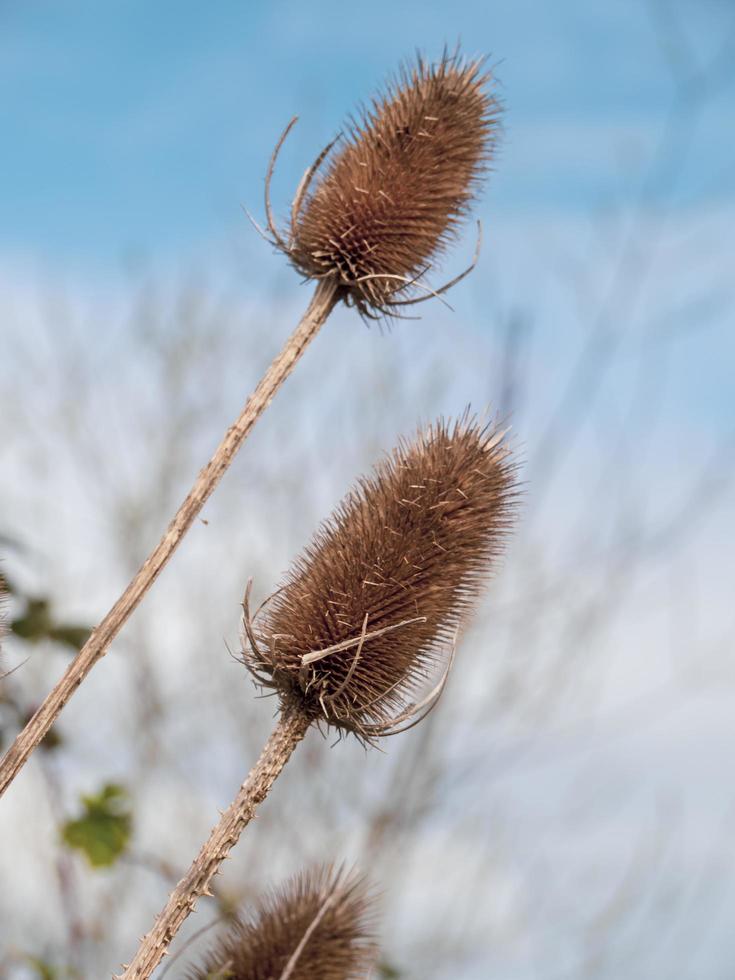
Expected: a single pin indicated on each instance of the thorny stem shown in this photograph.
(325, 298)
(289, 731)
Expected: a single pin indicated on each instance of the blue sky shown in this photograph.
(144, 126)
(139, 128)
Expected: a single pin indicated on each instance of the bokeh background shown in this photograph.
(569, 809)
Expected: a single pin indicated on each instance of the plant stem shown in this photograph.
(323, 301)
(291, 728)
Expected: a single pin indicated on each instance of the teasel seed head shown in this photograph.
(394, 193)
(319, 925)
(369, 609)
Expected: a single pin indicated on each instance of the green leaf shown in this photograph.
(51, 740)
(42, 969)
(388, 972)
(46, 971)
(103, 830)
(72, 635)
(36, 622)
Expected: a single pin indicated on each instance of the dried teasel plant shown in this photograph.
(367, 232)
(321, 924)
(394, 194)
(363, 616)
(365, 613)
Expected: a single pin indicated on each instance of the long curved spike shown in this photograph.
(305, 183)
(379, 697)
(271, 167)
(428, 703)
(411, 724)
(264, 603)
(407, 282)
(388, 309)
(257, 227)
(258, 678)
(353, 665)
(452, 282)
(248, 622)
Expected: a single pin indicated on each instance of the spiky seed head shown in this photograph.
(394, 195)
(321, 923)
(400, 563)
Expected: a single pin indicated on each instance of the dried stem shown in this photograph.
(289, 731)
(324, 299)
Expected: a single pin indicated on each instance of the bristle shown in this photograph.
(389, 579)
(394, 195)
(319, 925)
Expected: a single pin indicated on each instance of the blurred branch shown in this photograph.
(323, 301)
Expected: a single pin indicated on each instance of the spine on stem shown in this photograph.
(289, 731)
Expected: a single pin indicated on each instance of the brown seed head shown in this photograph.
(320, 925)
(365, 612)
(393, 196)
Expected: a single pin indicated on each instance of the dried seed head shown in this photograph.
(319, 925)
(366, 610)
(393, 196)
